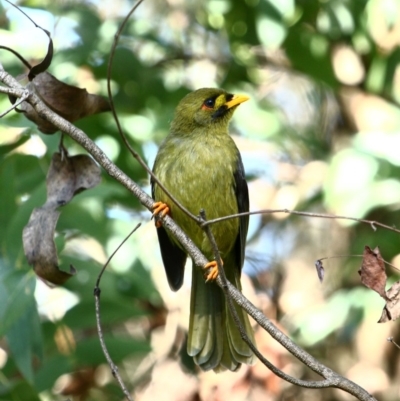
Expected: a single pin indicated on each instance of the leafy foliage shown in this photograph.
(321, 135)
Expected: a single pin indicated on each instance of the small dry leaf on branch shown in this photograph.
(372, 272)
(66, 177)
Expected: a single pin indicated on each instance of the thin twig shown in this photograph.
(116, 119)
(372, 223)
(23, 61)
(17, 103)
(97, 292)
(112, 255)
(357, 256)
(391, 340)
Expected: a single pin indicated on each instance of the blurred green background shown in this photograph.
(320, 134)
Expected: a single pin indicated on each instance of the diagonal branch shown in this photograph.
(80, 137)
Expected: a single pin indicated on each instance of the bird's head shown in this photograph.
(207, 107)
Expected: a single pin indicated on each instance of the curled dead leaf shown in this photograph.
(372, 272)
(68, 101)
(66, 177)
(39, 246)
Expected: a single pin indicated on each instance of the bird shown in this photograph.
(200, 165)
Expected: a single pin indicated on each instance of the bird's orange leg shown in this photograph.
(213, 274)
(160, 207)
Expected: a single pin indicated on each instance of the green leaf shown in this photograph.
(24, 341)
(16, 297)
(23, 391)
(51, 369)
(7, 191)
(89, 352)
(113, 310)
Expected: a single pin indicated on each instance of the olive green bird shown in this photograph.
(201, 166)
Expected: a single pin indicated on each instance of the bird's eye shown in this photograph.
(209, 103)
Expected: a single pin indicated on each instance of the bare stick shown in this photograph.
(17, 103)
(391, 340)
(116, 119)
(372, 223)
(97, 292)
(357, 256)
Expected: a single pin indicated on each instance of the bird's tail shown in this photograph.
(214, 340)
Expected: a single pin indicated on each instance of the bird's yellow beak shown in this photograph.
(237, 99)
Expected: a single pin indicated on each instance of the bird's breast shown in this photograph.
(200, 175)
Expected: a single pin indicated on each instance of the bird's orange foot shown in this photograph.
(213, 274)
(160, 207)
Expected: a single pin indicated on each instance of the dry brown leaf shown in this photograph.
(372, 272)
(68, 101)
(391, 311)
(373, 275)
(39, 246)
(66, 177)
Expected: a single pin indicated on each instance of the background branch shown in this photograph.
(372, 223)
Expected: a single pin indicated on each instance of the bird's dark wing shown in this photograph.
(242, 198)
(174, 258)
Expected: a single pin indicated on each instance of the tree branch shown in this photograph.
(335, 380)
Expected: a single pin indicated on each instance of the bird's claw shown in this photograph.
(162, 208)
(213, 273)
